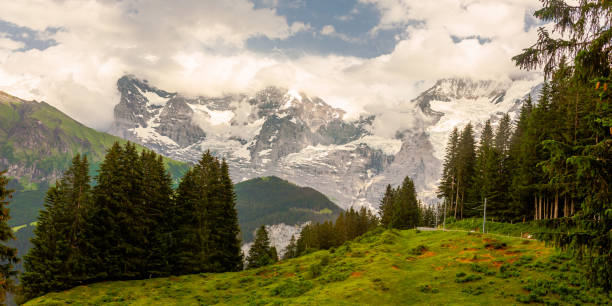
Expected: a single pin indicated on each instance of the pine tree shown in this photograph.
(340, 229)
(117, 233)
(466, 157)
(230, 229)
(291, 249)
(307, 241)
(385, 207)
(190, 234)
(448, 184)
(405, 212)
(522, 146)
(485, 170)
(261, 254)
(8, 256)
(57, 260)
(159, 209)
(41, 263)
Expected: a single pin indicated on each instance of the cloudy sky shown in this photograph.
(355, 54)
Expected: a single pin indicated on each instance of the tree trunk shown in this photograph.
(535, 207)
(456, 201)
(557, 205)
(462, 198)
(565, 206)
(452, 194)
(540, 208)
(572, 212)
(545, 207)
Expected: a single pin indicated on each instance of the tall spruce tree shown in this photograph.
(117, 235)
(291, 249)
(57, 260)
(207, 235)
(405, 212)
(523, 200)
(159, 211)
(466, 158)
(190, 235)
(261, 253)
(503, 136)
(8, 255)
(386, 206)
(486, 176)
(229, 228)
(448, 184)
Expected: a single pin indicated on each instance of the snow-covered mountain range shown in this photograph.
(303, 139)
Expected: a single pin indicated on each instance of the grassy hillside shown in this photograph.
(271, 200)
(380, 268)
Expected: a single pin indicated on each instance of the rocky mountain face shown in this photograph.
(284, 133)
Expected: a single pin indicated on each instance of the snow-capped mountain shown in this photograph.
(305, 140)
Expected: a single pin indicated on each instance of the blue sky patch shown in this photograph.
(31, 39)
(353, 23)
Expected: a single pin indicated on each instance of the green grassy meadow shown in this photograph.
(380, 268)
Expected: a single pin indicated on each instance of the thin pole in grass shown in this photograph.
(444, 222)
(484, 216)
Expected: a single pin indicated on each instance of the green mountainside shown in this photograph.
(382, 267)
(271, 200)
(37, 144)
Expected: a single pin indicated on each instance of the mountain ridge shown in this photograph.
(299, 137)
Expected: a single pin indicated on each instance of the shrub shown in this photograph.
(473, 290)
(468, 278)
(379, 284)
(428, 289)
(315, 270)
(495, 245)
(478, 268)
(419, 250)
(324, 260)
(292, 288)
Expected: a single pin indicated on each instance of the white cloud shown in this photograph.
(8, 44)
(328, 29)
(198, 47)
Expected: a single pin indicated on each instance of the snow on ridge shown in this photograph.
(149, 133)
(214, 117)
(388, 146)
(458, 112)
(152, 97)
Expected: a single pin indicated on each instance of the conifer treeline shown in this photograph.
(323, 236)
(473, 172)
(399, 208)
(555, 167)
(515, 168)
(132, 224)
(571, 131)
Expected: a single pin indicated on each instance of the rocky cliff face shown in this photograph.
(301, 138)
